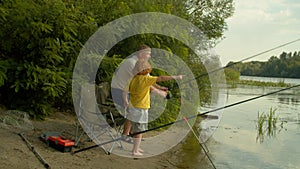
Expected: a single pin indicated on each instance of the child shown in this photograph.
(139, 89)
(119, 82)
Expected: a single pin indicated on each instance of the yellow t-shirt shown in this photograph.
(139, 90)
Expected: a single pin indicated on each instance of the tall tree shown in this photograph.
(40, 41)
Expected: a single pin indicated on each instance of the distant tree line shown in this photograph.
(286, 65)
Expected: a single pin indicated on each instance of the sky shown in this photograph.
(260, 25)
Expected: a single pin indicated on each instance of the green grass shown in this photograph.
(258, 83)
(267, 125)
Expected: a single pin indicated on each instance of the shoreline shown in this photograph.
(16, 154)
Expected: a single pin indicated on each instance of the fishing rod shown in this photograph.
(202, 145)
(187, 118)
(247, 58)
(203, 114)
(32, 148)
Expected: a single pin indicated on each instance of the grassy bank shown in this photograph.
(257, 83)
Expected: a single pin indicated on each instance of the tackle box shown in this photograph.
(60, 143)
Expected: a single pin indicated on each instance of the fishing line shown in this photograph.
(200, 143)
(247, 58)
(191, 117)
(247, 100)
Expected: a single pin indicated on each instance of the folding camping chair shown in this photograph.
(96, 117)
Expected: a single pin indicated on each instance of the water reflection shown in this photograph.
(240, 150)
(233, 144)
(289, 100)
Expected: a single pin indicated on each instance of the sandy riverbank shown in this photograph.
(15, 154)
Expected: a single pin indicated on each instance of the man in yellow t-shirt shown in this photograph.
(139, 89)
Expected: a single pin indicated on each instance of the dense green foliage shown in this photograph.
(40, 42)
(286, 65)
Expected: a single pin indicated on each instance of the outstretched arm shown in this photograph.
(160, 92)
(166, 78)
(159, 87)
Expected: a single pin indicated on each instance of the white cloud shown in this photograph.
(259, 25)
(267, 11)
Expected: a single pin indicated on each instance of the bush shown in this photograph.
(39, 46)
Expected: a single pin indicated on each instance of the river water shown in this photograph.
(234, 143)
